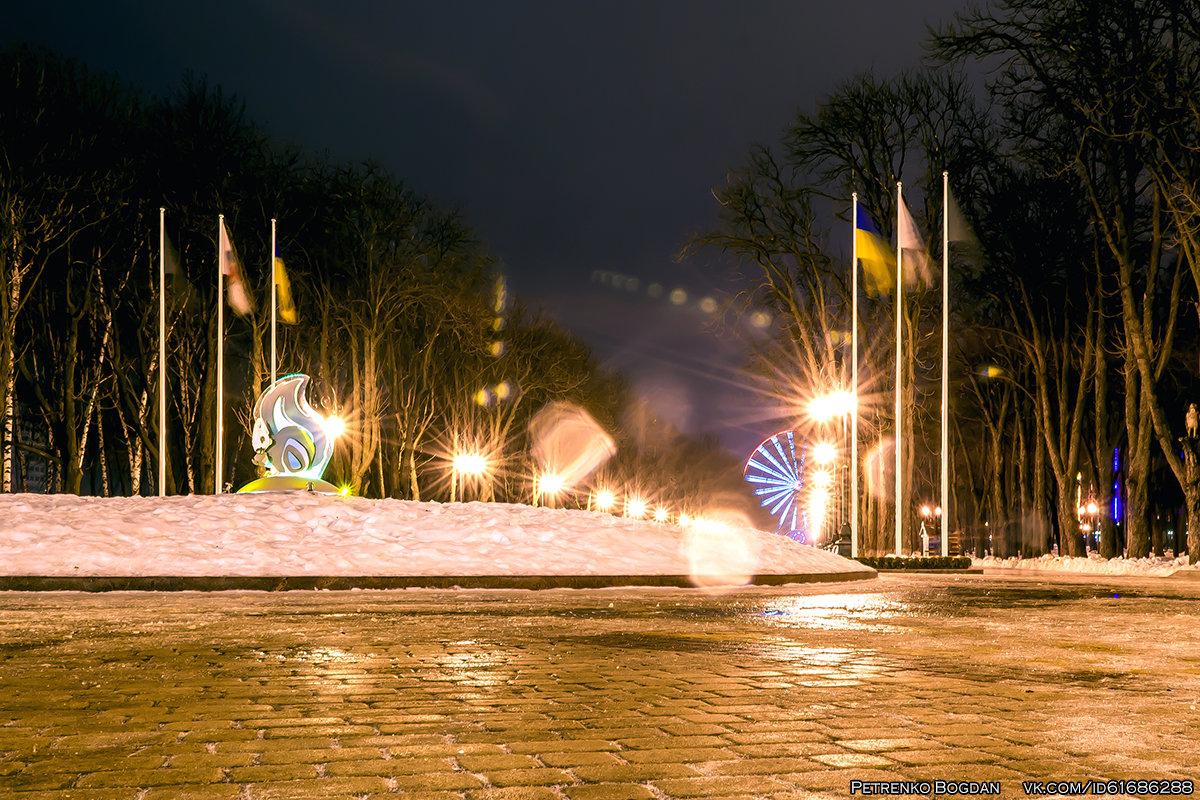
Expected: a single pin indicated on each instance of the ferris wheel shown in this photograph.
(776, 471)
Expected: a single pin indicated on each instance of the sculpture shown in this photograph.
(1193, 422)
(292, 442)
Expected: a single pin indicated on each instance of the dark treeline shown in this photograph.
(405, 324)
(1074, 336)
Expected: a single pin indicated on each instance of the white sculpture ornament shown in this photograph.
(290, 440)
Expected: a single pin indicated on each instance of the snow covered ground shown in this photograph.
(298, 534)
(1092, 565)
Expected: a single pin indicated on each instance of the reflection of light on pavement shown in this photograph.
(838, 612)
(486, 665)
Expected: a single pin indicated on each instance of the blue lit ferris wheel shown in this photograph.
(776, 471)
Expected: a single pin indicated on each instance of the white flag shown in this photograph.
(239, 300)
(913, 246)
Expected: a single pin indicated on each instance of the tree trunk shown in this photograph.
(1191, 492)
(1137, 489)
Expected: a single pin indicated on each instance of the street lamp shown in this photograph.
(824, 452)
(635, 507)
(1089, 519)
(472, 465)
(835, 404)
(546, 487)
(603, 500)
(927, 515)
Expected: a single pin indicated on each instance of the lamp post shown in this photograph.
(546, 488)
(1089, 518)
(837, 404)
(602, 500)
(471, 465)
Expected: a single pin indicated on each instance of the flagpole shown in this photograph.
(162, 352)
(898, 434)
(945, 363)
(271, 266)
(854, 376)
(217, 465)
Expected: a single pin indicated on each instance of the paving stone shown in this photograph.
(564, 745)
(318, 788)
(633, 773)
(681, 755)
(75, 794)
(756, 766)
(483, 763)
(610, 791)
(756, 786)
(440, 781)
(528, 777)
(272, 772)
(514, 793)
(577, 759)
(217, 791)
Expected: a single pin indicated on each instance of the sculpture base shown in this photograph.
(289, 483)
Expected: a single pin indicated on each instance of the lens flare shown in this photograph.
(551, 483)
(604, 500)
(567, 442)
(635, 507)
(470, 464)
(824, 452)
(721, 549)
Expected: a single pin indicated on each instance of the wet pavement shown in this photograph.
(910, 684)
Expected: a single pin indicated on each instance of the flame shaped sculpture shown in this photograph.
(290, 441)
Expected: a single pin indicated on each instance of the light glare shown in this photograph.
(334, 426)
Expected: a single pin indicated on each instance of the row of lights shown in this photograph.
(549, 485)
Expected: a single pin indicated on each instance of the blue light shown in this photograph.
(1116, 501)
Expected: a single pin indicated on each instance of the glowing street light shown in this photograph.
(635, 507)
(660, 514)
(547, 486)
(604, 500)
(334, 426)
(471, 465)
(832, 405)
(824, 452)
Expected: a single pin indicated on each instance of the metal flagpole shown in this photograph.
(945, 362)
(899, 445)
(854, 377)
(162, 353)
(271, 266)
(217, 465)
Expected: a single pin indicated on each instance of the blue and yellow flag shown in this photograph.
(879, 265)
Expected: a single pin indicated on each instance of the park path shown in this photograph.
(768, 692)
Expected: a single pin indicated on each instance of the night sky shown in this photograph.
(581, 140)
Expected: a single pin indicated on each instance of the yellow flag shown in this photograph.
(286, 308)
(879, 265)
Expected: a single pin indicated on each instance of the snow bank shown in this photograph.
(1092, 565)
(295, 534)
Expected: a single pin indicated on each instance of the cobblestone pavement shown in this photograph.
(780, 692)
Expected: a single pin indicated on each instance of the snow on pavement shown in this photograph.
(1151, 567)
